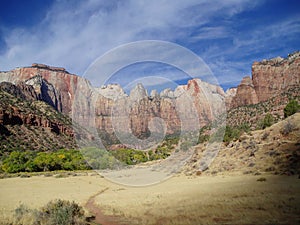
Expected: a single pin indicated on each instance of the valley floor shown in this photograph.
(205, 199)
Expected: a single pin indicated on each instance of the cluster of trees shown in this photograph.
(162, 151)
(29, 161)
(32, 161)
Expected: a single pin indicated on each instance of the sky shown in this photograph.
(227, 35)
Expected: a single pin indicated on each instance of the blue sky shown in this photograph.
(227, 35)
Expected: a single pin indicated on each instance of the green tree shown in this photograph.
(18, 162)
(267, 121)
(291, 108)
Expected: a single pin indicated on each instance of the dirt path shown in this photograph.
(100, 217)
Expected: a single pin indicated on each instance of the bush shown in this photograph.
(203, 138)
(291, 108)
(130, 156)
(266, 122)
(58, 212)
(288, 128)
(231, 133)
(262, 179)
(62, 212)
(22, 214)
(101, 158)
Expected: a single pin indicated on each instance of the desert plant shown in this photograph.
(57, 212)
(288, 127)
(20, 213)
(62, 212)
(267, 121)
(265, 135)
(291, 108)
(262, 179)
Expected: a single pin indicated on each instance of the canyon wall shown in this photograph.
(269, 78)
(109, 108)
(188, 107)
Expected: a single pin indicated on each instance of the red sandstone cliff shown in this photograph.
(269, 78)
(64, 83)
(197, 99)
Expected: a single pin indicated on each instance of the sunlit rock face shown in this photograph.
(109, 108)
(269, 78)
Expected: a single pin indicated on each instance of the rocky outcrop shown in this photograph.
(229, 95)
(138, 93)
(18, 107)
(44, 91)
(201, 100)
(111, 91)
(136, 111)
(17, 117)
(21, 90)
(245, 94)
(269, 78)
(53, 68)
(63, 82)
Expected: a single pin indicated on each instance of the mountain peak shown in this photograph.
(138, 92)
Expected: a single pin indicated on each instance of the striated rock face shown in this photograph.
(269, 78)
(190, 105)
(21, 90)
(229, 95)
(18, 107)
(187, 108)
(245, 94)
(44, 90)
(111, 91)
(64, 83)
(207, 100)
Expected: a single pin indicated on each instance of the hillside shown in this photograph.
(274, 149)
(29, 124)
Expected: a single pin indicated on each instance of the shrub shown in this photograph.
(62, 212)
(291, 108)
(203, 138)
(58, 212)
(262, 179)
(21, 213)
(288, 127)
(266, 122)
(130, 156)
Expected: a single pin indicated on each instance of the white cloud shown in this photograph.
(74, 33)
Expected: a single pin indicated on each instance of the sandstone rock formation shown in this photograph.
(193, 104)
(44, 90)
(245, 94)
(273, 76)
(21, 90)
(229, 95)
(18, 107)
(64, 83)
(269, 78)
(111, 91)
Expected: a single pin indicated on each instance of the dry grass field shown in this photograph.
(226, 199)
